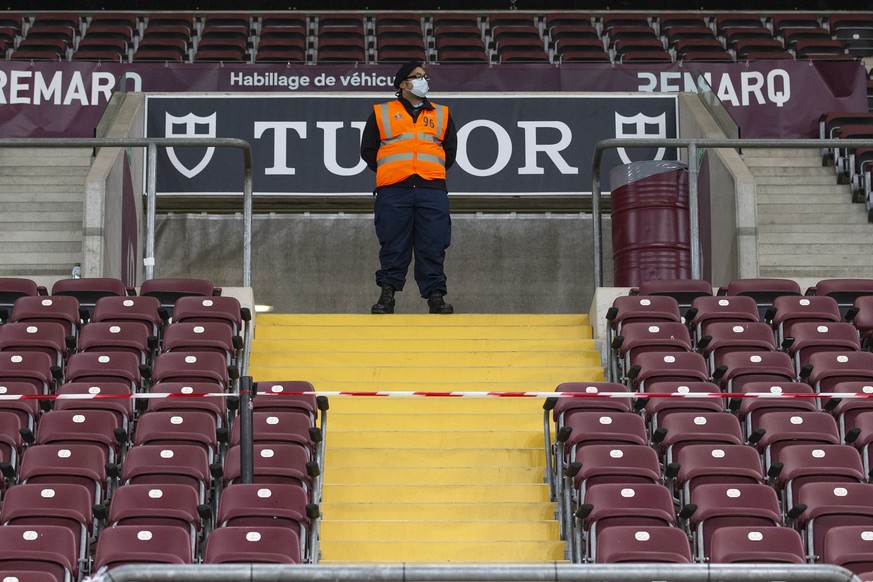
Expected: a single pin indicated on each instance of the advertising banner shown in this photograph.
(767, 99)
(524, 143)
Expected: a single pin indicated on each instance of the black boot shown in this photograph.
(436, 303)
(386, 301)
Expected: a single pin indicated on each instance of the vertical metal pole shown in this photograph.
(693, 210)
(596, 217)
(247, 222)
(246, 441)
(151, 206)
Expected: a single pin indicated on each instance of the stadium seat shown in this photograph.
(47, 337)
(11, 288)
(632, 544)
(171, 505)
(252, 544)
(207, 337)
(667, 367)
(111, 396)
(775, 430)
(702, 464)
(114, 337)
(226, 310)
(749, 409)
(657, 409)
(98, 428)
(89, 289)
(135, 544)
(684, 291)
(190, 427)
(272, 505)
(798, 464)
(34, 368)
(68, 463)
(684, 429)
(820, 507)
(169, 464)
(716, 505)
(191, 366)
(145, 310)
(10, 445)
(609, 505)
(849, 547)
(754, 545)
(215, 406)
(66, 505)
(789, 310)
(860, 434)
(710, 309)
(762, 290)
(637, 338)
(27, 409)
(61, 309)
(275, 463)
(99, 367)
(739, 368)
(843, 291)
(724, 337)
(38, 550)
(168, 290)
(277, 428)
(827, 369)
(811, 337)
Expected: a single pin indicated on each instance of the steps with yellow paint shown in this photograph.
(432, 479)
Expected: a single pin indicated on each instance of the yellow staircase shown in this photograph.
(432, 479)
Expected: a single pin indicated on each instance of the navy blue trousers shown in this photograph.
(413, 220)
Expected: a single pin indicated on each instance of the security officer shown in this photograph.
(410, 143)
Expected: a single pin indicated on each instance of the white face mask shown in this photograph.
(419, 88)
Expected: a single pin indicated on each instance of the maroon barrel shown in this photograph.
(650, 224)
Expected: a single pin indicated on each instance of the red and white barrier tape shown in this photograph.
(401, 394)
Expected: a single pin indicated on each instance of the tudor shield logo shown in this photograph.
(640, 126)
(187, 126)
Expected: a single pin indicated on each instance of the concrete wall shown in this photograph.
(500, 263)
(103, 194)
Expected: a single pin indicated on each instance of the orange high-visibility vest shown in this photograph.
(410, 147)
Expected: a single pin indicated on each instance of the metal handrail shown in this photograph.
(151, 180)
(547, 572)
(693, 204)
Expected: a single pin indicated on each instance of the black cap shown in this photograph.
(404, 71)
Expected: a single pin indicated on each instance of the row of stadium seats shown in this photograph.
(761, 469)
(441, 37)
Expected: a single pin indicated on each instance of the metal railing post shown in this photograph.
(246, 442)
(693, 211)
(151, 209)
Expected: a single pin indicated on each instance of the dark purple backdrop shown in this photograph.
(766, 99)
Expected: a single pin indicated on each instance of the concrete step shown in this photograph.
(45, 248)
(803, 190)
(755, 163)
(428, 421)
(356, 551)
(817, 248)
(462, 332)
(774, 217)
(468, 457)
(404, 493)
(800, 237)
(826, 261)
(800, 200)
(756, 153)
(495, 510)
(35, 207)
(809, 180)
(382, 359)
(83, 153)
(73, 255)
(480, 436)
(798, 171)
(12, 226)
(433, 377)
(817, 272)
(481, 346)
(439, 531)
(40, 236)
(24, 218)
(392, 407)
(473, 475)
(424, 322)
(39, 269)
(812, 208)
(49, 192)
(855, 229)
(432, 385)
